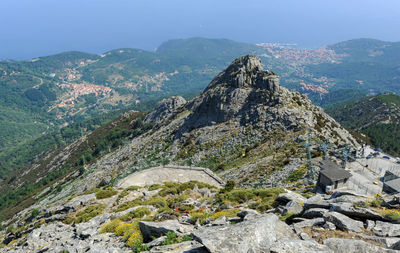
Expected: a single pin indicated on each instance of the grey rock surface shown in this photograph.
(314, 213)
(156, 229)
(256, 235)
(183, 247)
(164, 108)
(353, 246)
(289, 196)
(316, 201)
(293, 207)
(310, 222)
(343, 222)
(348, 209)
(299, 246)
(386, 229)
(80, 201)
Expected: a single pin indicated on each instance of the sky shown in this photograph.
(33, 28)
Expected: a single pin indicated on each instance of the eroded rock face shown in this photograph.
(255, 235)
(189, 247)
(353, 246)
(164, 108)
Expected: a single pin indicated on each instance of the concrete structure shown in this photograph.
(391, 182)
(178, 174)
(331, 176)
(392, 186)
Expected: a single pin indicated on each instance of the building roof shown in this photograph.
(335, 174)
(328, 164)
(394, 184)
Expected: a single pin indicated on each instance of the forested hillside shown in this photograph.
(378, 117)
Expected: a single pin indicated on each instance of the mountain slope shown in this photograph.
(44, 94)
(378, 117)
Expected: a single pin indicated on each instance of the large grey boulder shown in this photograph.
(299, 246)
(255, 235)
(343, 222)
(316, 201)
(289, 196)
(310, 222)
(314, 213)
(293, 207)
(386, 229)
(183, 247)
(156, 229)
(348, 209)
(353, 246)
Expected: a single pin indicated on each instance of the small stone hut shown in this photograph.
(332, 175)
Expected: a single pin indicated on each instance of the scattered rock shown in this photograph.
(220, 221)
(343, 222)
(353, 246)
(164, 108)
(329, 225)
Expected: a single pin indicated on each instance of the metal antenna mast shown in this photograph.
(324, 147)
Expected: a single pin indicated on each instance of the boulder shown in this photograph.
(369, 224)
(316, 201)
(185, 247)
(289, 196)
(357, 212)
(386, 229)
(310, 222)
(156, 242)
(299, 246)
(255, 235)
(329, 225)
(339, 193)
(353, 246)
(385, 241)
(220, 221)
(293, 207)
(156, 229)
(314, 213)
(343, 222)
(90, 228)
(347, 199)
(242, 214)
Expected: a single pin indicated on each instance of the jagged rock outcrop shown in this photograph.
(343, 222)
(164, 108)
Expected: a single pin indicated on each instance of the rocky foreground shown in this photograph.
(196, 217)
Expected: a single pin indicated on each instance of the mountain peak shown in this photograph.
(246, 72)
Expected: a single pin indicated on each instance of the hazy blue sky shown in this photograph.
(31, 28)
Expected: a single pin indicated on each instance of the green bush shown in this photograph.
(297, 174)
(106, 193)
(89, 212)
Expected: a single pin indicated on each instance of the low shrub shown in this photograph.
(199, 216)
(106, 193)
(89, 212)
(110, 226)
(226, 213)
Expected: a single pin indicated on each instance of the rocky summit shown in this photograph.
(228, 157)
